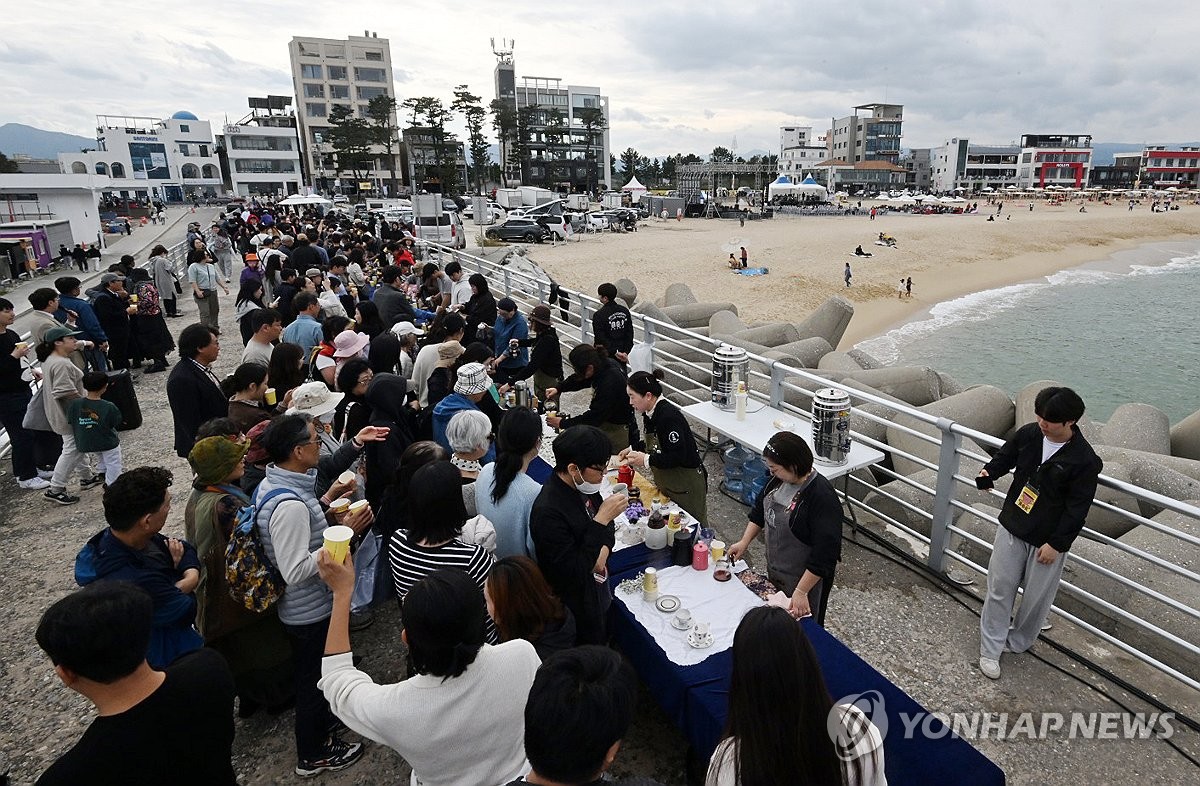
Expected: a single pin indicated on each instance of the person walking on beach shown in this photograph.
(1055, 473)
(745, 258)
(908, 287)
(847, 275)
(900, 290)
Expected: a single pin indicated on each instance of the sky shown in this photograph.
(680, 76)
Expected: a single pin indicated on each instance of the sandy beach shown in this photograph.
(947, 256)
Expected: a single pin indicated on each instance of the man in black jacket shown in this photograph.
(390, 299)
(1055, 472)
(612, 325)
(193, 390)
(609, 410)
(110, 305)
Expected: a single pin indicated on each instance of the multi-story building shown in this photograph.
(873, 135)
(1165, 166)
(1054, 160)
(147, 158)
(1125, 172)
(960, 164)
(917, 163)
(419, 150)
(565, 133)
(326, 73)
(799, 151)
(260, 154)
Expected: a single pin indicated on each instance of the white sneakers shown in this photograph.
(35, 483)
(990, 668)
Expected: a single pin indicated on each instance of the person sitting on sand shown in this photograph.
(734, 264)
(858, 252)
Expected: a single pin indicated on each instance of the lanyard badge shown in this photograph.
(1027, 498)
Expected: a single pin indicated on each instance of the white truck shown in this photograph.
(508, 198)
(531, 196)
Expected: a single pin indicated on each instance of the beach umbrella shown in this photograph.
(734, 245)
(905, 200)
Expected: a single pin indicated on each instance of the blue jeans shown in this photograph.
(12, 412)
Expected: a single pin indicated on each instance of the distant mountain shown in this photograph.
(36, 143)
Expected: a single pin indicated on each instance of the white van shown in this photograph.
(445, 228)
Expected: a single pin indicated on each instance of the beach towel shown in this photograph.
(753, 271)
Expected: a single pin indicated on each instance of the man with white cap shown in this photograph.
(470, 387)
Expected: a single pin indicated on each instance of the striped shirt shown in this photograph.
(411, 562)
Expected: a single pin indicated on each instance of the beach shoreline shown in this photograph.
(947, 256)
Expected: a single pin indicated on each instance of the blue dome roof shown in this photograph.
(182, 115)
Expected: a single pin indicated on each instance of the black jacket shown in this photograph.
(393, 305)
(480, 310)
(816, 520)
(610, 404)
(1066, 485)
(387, 395)
(612, 326)
(568, 541)
(110, 312)
(194, 398)
(676, 448)
(546, 355)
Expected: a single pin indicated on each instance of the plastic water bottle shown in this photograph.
(740, 401)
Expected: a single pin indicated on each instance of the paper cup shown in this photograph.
(337, 542)
(345, 477)
(340, 505)
(355, 507)
(21, 345)
(269, 397)
(717, 548)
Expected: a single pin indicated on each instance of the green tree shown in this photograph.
(350, 139)
(7, 165)
(435, 116)
(504, 120)
(629, 163)
(592, 119)
(520, 151)
(721, 155)
(380, 110)
(473, 113)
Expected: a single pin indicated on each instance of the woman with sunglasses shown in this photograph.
(802, 516)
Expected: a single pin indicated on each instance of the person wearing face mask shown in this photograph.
(508, 332)
(802, 515)
(572, 529)
(609, 409)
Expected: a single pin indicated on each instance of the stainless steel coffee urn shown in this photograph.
(730, 365)
(831, 426)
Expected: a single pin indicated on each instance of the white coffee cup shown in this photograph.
(700, 629)
(683, 618)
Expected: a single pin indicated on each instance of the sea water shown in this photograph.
(1126, 330)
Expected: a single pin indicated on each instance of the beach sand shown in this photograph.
(947, 256)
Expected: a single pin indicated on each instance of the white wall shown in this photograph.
(71, 197)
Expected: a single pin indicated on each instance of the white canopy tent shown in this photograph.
(635, 189)
(302, 199)
(806, 188)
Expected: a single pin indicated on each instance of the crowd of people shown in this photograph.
(368, 377)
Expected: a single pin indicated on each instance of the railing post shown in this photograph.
(648, 337)
(507, 283)
(541, 291)
(948, 461)
(585, 322)
(778, 374)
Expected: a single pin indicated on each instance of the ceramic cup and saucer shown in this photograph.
(700, 638)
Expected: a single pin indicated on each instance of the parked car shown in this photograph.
(495, 210)
(341, 199)
(556, 224)
(519, 229)
(445, 228)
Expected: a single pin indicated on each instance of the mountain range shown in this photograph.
(37, 143)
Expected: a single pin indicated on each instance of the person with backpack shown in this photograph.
(291, 524)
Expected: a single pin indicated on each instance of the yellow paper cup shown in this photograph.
(340, 505)
(355, 507)
(345, 477)
(269, 397)
(337, 542)
(717, 549)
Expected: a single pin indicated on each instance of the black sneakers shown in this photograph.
(92, 482)
(337, 755)
(61, 497)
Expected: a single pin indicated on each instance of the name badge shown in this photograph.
(1027, 498)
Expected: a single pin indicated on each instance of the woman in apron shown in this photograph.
(802, 515)
(669, 448)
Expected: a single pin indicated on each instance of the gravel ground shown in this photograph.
(915, 634)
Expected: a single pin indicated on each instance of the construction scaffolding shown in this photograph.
(691, 179)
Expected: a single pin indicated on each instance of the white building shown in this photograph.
(959, 164)
(799, 152)
(1055, 160)
(873, 135)
(329, 72)
(260, 154)
(41, 197)
(148, 158)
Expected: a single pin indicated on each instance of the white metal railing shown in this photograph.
(1150, 634)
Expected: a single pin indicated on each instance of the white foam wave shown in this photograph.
(982, 306)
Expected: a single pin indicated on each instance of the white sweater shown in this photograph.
(466, 731)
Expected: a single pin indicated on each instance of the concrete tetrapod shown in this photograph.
(771, 335)
(1185, 437)
(1138, 427)
(982, 408)
(838, 361)
(696, 315)
(829, 321)
(679, 294)
(626, 291)
(726, 322)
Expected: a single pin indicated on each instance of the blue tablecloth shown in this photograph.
(696, 697)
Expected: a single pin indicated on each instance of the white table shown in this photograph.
(759, 425)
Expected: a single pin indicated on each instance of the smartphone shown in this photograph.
(983, 483)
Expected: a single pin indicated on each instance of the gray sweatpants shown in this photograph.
(1014, 562)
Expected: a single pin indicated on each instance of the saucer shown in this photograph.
(700, 643)
(668, 604)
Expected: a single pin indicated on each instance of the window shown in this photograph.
(209, 171)
(183, 127)
(310, 71)
(183, 148)
(314, 91)
(368, 54)
(78, 168)
(263, 166)
(335, 53)
(204, 151)
(308, 51)
(337, 73)
(261, 143)
(370, 75)
(339, 92)
(190, 171)
(373, 55)
(101, 168)
(315, 110)
(367, 93)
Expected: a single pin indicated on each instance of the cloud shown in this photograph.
(709, 114)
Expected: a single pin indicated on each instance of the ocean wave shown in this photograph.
(983, 306)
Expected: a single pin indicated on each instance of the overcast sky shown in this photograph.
(680, 77)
